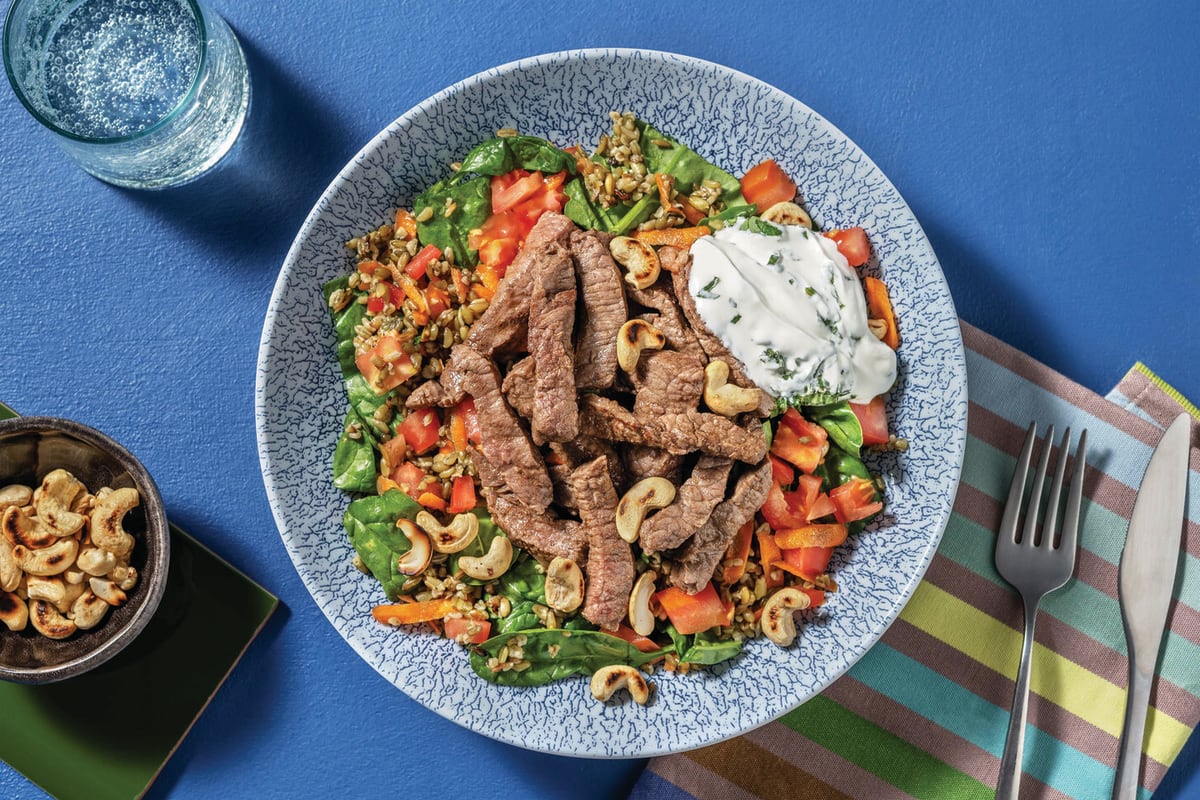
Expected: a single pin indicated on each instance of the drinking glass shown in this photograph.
(142, 93)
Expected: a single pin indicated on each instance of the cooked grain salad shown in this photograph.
(555, 461)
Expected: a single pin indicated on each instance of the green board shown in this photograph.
(116, 726)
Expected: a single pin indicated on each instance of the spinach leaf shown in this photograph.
(587, 214)
(370, 523)
(344, 323)
(556, 653)
(733, 212)
(354, 460)
(506, 153)
(472, 200)
(706, 649)
(802, 401)
(524, 580)
(840, 466)
(687, 166)
(761, 226)
(363, 400)
(841, 423)
(521, 618)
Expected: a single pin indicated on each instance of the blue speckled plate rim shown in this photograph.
(956, 412)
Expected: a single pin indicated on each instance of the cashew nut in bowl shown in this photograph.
(107, 515)
(725, 398)
(107, 591)
(52, 560)
(53, 590)
(54, 499)
(14, 613)
(10, 570)
(18, 526)
(15, 495)
(48, 621)
(95, 561)
(493, 565)
(639, 260)
(88, 610)
(635, 336)
(646, 494)
(778, 623)
(607, 681)
(416, 560)
(451, 538)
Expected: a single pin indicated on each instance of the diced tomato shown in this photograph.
(374, 305)
(416, 266)
(800, 442)
(457, 627)
(406, 223)
(513, 187)
(462, 495)
(809, 562)
(643, 643)
(393, 451)
(778, 512)
(852, 243)
(693, 613)
(420, 429)
(409, 477)
(782, 472)
(821, 506)
(519, 198)
(767, 184)
(872, 417)
(854, 500)
(397, 366)
(437, 299)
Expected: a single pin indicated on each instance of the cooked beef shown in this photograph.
(610, 569)
(644, 461)
(430, 393)
(713, 347)
(503, 440)
(677, 433)
(518, 386)
(538, 532)
(603, 311)
(668, 319)
(694, 503)
(551, 323)
(698, 559)
(563, 458)
(504, 326)
(667, 381)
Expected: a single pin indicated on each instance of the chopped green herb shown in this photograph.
(736, 319)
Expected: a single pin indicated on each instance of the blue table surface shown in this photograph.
(1049, 150)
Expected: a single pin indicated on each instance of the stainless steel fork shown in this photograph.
(1036, 563)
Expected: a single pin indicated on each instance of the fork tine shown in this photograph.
(1028, 536)
(1012, 507)
(1070, 529)
(1050, 524)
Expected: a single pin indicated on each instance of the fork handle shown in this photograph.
(1009, 784)
(1129, 763)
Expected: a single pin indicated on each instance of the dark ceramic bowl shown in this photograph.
(30, 447)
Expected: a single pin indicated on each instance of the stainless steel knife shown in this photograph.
(1147, 579)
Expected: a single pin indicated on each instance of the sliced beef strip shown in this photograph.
(518, 386)
(644, 461)
(698, 559)
(713, 347)
(667, 381)
(536, 531)
(430, 393)
(668, 319)
(694, 502)
(610, 568)
(677, 433)
(563, 458)
(503, 440)
(503, 327)
(551, 324)
(603, 310)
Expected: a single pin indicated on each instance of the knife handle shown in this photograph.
(1129, 763)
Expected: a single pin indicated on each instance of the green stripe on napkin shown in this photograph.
(924, 713)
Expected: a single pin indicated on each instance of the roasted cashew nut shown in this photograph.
(564, 585)
(607, 681)
(106, 531)
(124, 576)
(10, 571)
(635, 336)
(420, 551)
(641, 263)
(52, 589)
(787, 213)
(96, 562)
(107, 591)
(15, 495)
(14, 613)
(51, 560)
(492, 565)
(18, 526)
(641, 618)
(646, 494)
(54, 500)
(724, 398)
(778, 624)
(48, 621)
(451, 538)
(88, 610)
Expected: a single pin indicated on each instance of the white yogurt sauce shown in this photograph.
(792, 309)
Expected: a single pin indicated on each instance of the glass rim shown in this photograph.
(18, 90)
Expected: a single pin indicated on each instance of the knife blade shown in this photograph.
(1147, 579)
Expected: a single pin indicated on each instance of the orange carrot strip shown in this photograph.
(431, 500)
(879, 305)
(737, 554)
(768, 554)
(411, 613)
(676, 237)
(825, 535)
(406, 222)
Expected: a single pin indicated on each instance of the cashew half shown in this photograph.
(21, 527)
(10, 570)
(124, 576)
(639, 260)
(635, 336)
(15, 495)
(646, 494)
(14, 613)
(53, 589)
(88, 610)
(107, 591)
(778, 624)
(420, 551)
(55, 497)
(451, 538)
(608, 680)
(106, 530)
(48, 621)
(724, 398)
(641, 618)
(50, 560)
(95, 561)
(492, 565)
(787, 213)
(564, 585)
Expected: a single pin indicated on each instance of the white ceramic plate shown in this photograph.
(735, 121)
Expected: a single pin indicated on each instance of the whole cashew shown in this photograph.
(493, 565)
(635, 336)
(14, 613)
(777, 621)
(725, 398)
(638, 258)
(107, 591)
(10, 570)
(50, 560)
(88, 610)
(18, 526)
(95, 561)
(106, 531)
(15, 495)
(451, 538)
(608, 680)
(48, 621)
(54, 499)
(646, 494)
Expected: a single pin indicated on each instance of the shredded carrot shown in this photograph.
(486, 293)
(879, 305)
(413, 293)
(431, 500)
(460, 284)
(406, 613)
(676, 237)
(692, 214)
(825, 535)
(769, 554)
(458, 429)
(406, 222)
(738, 554)
(383, 483)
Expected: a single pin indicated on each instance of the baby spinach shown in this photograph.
(471, 204)
(344, 323)
(555, 653)
(506, 153)
(525, 580)
(705, 648)
(731, 213)
(354, 459)
(370, 523)
(520, 618)
(841, 423)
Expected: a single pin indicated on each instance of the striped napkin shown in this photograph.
(924, 713)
